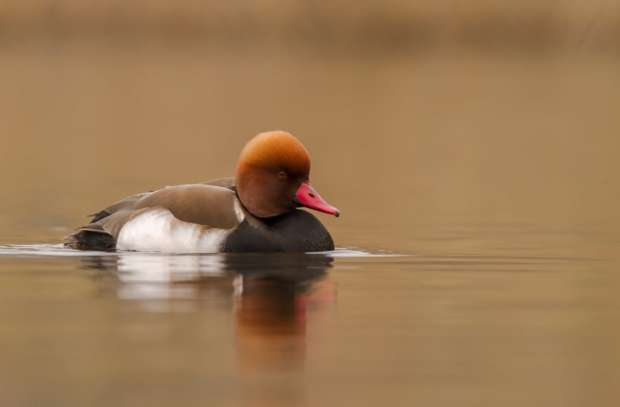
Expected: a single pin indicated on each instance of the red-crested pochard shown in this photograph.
(254, 212)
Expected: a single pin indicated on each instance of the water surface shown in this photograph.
(478, 242)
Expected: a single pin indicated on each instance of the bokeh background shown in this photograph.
(416, 113)
(480, 138)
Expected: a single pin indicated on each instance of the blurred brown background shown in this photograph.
(391, 24)
(416, 113)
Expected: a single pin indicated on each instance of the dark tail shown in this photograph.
(90, 237)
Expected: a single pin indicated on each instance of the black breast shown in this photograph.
(296, 231)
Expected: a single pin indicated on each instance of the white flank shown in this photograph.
(157, 230)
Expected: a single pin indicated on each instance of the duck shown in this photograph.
(257, 210)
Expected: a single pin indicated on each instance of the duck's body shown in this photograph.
(165, 221)
(214, 216)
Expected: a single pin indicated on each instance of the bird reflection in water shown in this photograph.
(269, 295)
(271, 310)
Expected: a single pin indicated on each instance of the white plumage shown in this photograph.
(157, 230)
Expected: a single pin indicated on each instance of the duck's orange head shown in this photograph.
(273, 175)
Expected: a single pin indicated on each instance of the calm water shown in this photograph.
(478, 242)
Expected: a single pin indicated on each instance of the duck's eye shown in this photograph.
(282, 175)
